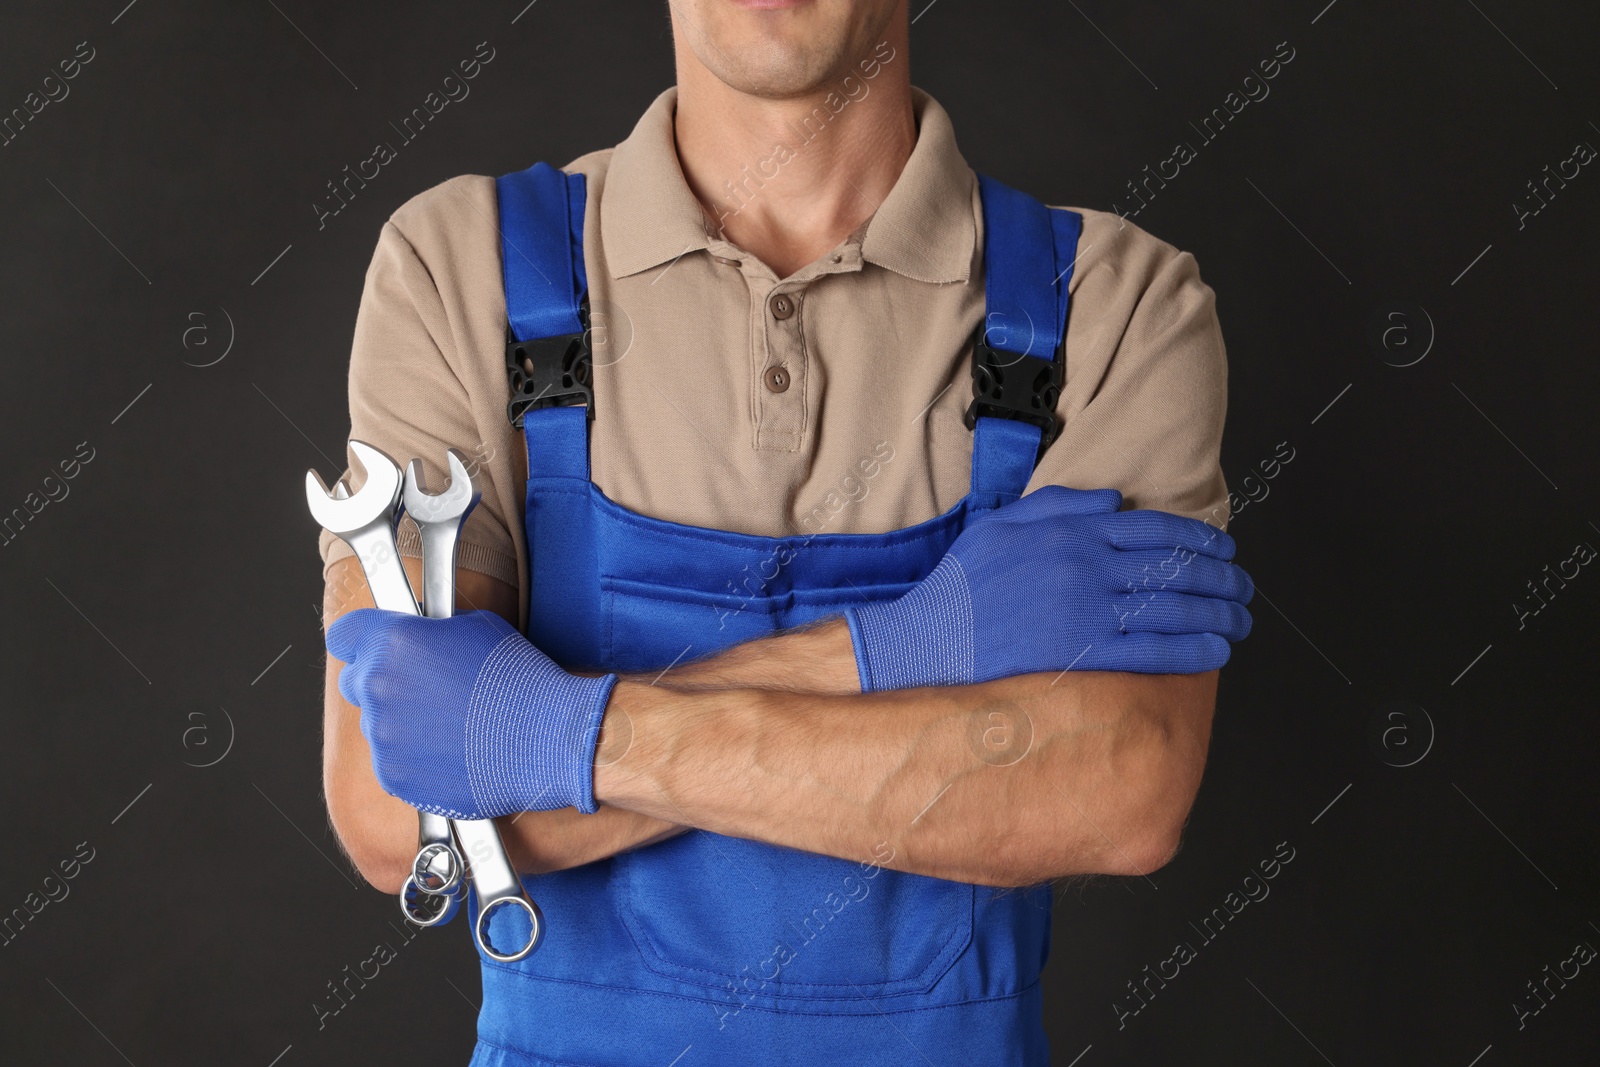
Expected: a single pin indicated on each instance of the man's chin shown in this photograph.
(770, 49)
(780, 69)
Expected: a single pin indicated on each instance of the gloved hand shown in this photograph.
(466, 718)
(1061, 579)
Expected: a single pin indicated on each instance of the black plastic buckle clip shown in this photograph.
(550, 371)
(1012, 386)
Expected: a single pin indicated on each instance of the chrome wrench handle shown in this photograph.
(439, 518)
(375, 547)
(438, 866)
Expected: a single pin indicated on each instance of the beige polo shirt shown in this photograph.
(862, 430)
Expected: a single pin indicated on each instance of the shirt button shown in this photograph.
(782, 306)
(776, 378)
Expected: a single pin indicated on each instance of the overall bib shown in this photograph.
(717, 949)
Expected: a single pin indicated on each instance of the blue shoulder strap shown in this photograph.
(1028, 255)
(541, 250)
(541, 255)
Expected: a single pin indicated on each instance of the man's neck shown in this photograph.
(787, 180)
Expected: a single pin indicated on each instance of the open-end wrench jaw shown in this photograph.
(365, 520)
(454, 502)
(346, 512)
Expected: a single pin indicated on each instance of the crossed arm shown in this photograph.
(1009, 782)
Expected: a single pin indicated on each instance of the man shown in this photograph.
(808, 696)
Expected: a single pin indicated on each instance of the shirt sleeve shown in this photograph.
(1147, 378)
(407, 400)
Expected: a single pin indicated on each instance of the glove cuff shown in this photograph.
(858, 639)
(923, 638)
(592, 695)
(532, 722)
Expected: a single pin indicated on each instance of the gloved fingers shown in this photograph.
(1145, 529)
(1056, 500)
(350, 687)
(1151, 653)
(352, 639)
(1168, 612)
(348, 634)
(1152, 570)
(369, 726)
(369, 684)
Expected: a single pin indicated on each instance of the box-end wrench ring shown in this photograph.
(439, 518)
(365, 522)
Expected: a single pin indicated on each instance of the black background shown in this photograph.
(168, 606)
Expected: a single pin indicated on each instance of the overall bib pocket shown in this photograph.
(753, 920)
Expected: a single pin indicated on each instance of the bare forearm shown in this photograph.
(539, 842)
(808, 660)
(811, 659)
(1006, 783)
(817, 659)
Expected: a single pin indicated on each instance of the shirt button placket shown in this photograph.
(780, 397)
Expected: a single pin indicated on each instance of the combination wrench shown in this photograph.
(439, 518)
(438, 869)
(366, 522)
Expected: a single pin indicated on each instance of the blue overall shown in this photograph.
(743, 953)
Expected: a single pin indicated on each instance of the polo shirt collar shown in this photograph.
(923, 230)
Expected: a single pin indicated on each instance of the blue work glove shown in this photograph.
(1060, 579)
(465, 717)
